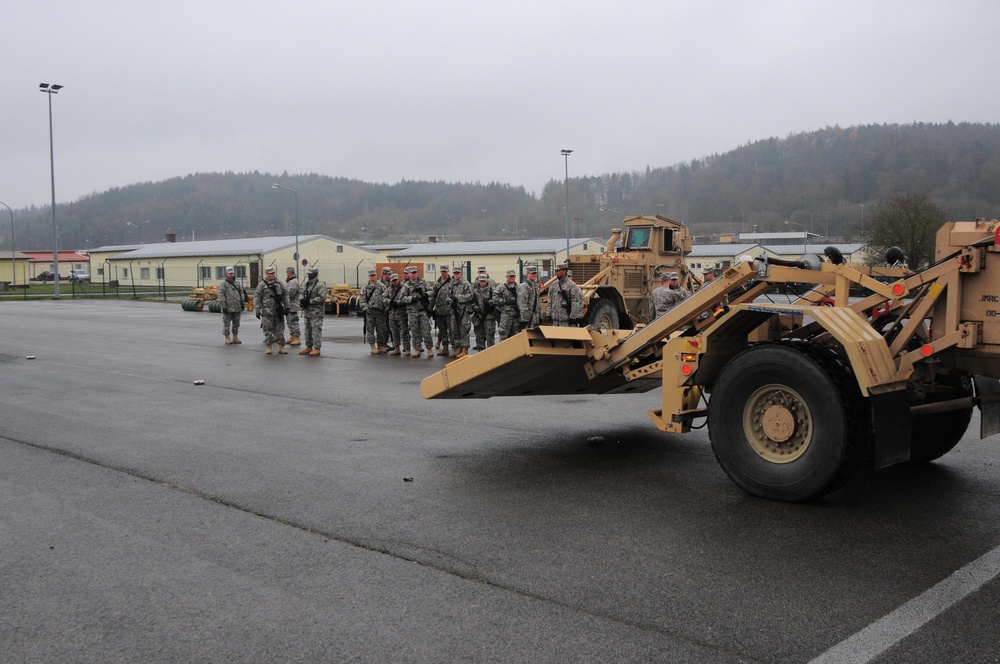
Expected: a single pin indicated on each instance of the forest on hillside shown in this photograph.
(820, 180)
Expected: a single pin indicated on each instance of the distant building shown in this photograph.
(203, 262)
(496, 256)
(15, 268)
(41, 261)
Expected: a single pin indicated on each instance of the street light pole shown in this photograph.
(566, 154)
(275, 185)
(138, 226)
(13, 265)
(52, 90)
(805, 230)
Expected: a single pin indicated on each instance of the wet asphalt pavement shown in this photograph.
(317, 509)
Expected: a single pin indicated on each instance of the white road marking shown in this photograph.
(889, 630)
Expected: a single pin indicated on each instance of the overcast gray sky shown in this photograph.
(384, 90)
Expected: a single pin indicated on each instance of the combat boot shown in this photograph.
(267, 351)
(375, 350)
(437, 342)
(314, 352)
(305, 351)
(383, 348)
(236, 339)
(454, 351)
(229, 340)
(394, 352)
(462, 352)
(444, 350)
(416, 353)
(281, 350)
(294, 341)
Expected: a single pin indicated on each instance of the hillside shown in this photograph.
(820, 179)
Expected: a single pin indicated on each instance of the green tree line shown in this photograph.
(821, 179)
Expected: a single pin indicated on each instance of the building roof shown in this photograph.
(845, 249)
(46, 256)
(723, 249)
(250, 246)
(498, 247)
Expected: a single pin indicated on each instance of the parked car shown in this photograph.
(79, 276)
(45, 275)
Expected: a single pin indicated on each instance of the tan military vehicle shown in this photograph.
(792, 413)
(616, 283)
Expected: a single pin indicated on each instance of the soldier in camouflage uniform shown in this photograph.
(384, 342)
(232, 300)
(505, 301)
(313, 303)
(481, 272)
(398, 325)
(417, 300)
(667, 296)
(270, 303)
(484, 320)
(441, 310)
(460, 302)
(373, 305)
(292, 286)
(565, 300)
(527, 300)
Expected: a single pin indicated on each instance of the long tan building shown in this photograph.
(496, 256)
(203, 262)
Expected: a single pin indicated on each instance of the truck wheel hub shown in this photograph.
(777, 424)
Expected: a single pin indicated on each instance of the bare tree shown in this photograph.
(908, 222)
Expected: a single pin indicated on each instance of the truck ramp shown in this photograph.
(547, 360)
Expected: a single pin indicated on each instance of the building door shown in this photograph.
(254, 274)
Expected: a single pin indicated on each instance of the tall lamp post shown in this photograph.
(137, 226)
(275, 185)
(52, 89)
(805, 230)
(13, 265)
(566, 154)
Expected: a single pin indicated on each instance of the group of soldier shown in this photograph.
(276, 304)
(402, 314)
(399, 315)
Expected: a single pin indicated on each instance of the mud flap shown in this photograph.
(891, 413)
(989, 421)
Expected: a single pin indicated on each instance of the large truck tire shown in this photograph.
(787, 421)
(936, 434)
(603, 315)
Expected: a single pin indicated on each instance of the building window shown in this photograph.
(585, 246)
(124, 273)
(220, 271)
(100, 271)
(240, 271)
(144, 273)
(160, 273)
(340, 248)
(205, 272)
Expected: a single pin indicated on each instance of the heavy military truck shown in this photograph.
(616, 284)
(793, 412)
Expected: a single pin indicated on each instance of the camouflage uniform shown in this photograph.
(528, 304)
(384, 280)
(505, 301)
(373, 304)
(565, 302)
(292, 317)
(270, 303)
(461, 318)
(313, 303)
(665, 298)
(398, 325)
(415, 296)
(440, 310)
(484, 320)
(232, 300)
